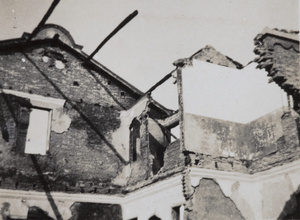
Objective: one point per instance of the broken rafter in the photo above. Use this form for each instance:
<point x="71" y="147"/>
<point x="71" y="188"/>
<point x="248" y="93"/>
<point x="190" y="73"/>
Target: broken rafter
<point x="43" y="21"/>
<point x="164" y="129"/>
<point x="161" y="81"/>
<point x="119" y="27"/>
<point x="171" y="121"/>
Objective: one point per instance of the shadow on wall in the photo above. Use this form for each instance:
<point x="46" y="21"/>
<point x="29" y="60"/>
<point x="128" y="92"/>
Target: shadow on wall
<point x="209" y="202"/>
<point x="157" y="151"/>
<point x="46" y="188"/>
<point x="291" y="209"/>
<point x="5" y="210"/>
<point x="154" y="218"/>
<point x="93" y="211"/>
<point x="80" y="112"/>
<point x="34" y="213"/>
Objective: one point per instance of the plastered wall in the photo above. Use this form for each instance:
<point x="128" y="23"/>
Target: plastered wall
<point x="264" y="195"/>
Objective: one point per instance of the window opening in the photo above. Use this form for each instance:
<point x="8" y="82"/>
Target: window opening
<point x="177" y="212"/>
<point x="135" y="139"/>
<point x="154" y="218"/>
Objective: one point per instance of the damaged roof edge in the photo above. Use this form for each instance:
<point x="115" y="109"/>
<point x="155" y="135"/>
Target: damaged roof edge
<point x="292" y="35"/>
<point x="137" y="91"/>
<point x="211" y="55"/>
<point x="20" y="43"/>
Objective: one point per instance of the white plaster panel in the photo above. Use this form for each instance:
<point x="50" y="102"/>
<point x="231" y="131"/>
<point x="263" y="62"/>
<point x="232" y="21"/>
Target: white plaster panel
<point x="275" y="194"/>
<point x="37" y="139"/>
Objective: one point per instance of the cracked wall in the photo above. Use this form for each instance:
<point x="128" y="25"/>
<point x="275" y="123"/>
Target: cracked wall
<point x="151" y="158"/>
<point x="268" y="194"/>
<point x="68" y="209"/>
<point x="209" y="202"/>
<point x="275" y="132"/>
<point x="278" y="52"/>
<point x="81" y="156"/>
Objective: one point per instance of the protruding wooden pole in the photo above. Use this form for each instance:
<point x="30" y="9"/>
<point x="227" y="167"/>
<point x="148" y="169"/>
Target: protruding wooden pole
<point x="119" y="27"/>
<point x="45" y="18"/>
<point x="161" y="81"/>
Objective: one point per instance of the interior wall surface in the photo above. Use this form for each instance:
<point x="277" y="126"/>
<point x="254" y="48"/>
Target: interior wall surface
<point x="157" y="199"/>
<point x="16" y="203"/>
<point x="265" y="195"/>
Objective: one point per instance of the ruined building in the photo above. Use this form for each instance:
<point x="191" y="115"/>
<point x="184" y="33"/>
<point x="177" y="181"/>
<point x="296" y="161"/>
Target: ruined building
<point x="79" y="142"/>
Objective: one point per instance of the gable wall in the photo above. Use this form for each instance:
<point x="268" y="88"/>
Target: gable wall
<point x="81" y="158"/>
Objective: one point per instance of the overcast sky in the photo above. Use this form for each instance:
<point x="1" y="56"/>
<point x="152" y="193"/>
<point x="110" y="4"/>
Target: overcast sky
<point x="144" y="50"/>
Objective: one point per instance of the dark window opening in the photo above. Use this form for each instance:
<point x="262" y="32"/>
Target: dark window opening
<point x="35" y="212"/>
<point x="93" y="211"/>
<point x="176" y="213"/>
<point x="75" y="83"/>
<point x="157" y="150"/>
<point x="122" y="94"/>
<point x="22" y="127"/>
<point x="134" y="139"/>
<point x="154" y="218"/>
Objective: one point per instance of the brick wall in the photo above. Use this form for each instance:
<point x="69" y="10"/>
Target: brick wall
<point x="269" y="141"/>
<point x="82" y="159"/>
<point x="173" y="157"/>
<point x="280" y="58"/>
<point x="141" y="168"/>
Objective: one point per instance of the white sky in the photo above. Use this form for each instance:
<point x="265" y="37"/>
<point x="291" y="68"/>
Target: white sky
<point x="163" y="31"/>
<point x="229" y="94"/>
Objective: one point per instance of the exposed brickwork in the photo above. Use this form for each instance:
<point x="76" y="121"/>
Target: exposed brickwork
<point x="269" y="141"/>
<point x="173" y="156"/>
<point x="211" y="55"/>
<point x="141" y="168"/>
<point x="279" y="56"/>
<point x="158" y="177"/>
<point x="220" y="163"/>
<point x="156" y="156"/>
<point x="82" y="159"/>
<point x="33" y="75"/>
<point x="209" y="202"/>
